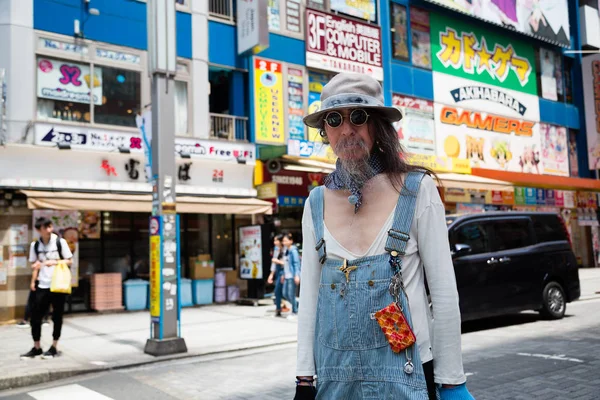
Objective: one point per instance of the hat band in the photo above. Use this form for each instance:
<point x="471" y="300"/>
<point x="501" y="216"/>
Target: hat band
<point x="350" y="99"/>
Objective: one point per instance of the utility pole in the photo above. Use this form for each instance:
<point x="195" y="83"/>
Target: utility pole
<point x="164" y="224"/>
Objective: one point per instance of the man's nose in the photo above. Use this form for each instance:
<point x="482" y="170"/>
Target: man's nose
<point x="348" y="129"/>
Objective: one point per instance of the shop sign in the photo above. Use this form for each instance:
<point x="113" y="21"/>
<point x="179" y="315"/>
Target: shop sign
<point x="51" y="44"/>
<point x="501" y="197"/>
<point x="252" y="26"/>
<point x="118" y="56"/>
<point x="68" y="81"/>
<point x="267" y="191"/>
<point x="155" y="276"/>
<point x="559" y="198"/>
<point x="268" y="102"/>
<point x="467" y="93"/>
<point x="339" y="44"/>
<point x="587" y="200"/>
<point x="546" y="20"/>
<point x="555" y="153"/>
<point x="108" y="140"/>
<point x="440" y="164"/>
<point x="487" y="140"/>
<point x="292" y="15"/>
<point x="456" y="195"/>
<point x="251" y="263"/>
<point x="291" y="201"/>
<point x="295" y="82"/>
<point x="550" y="197"/>
<point x="364" y="9"/>
<point x="416" y="130"/>
<point x="294" y="183"/>
<point x="318" y="151"/>
<point x="497" y="197"/>
<point x="591" y="96"/>
<point x="316" y="81"/>
<point x="461" y="50"/>
<point x="519" y="196"/>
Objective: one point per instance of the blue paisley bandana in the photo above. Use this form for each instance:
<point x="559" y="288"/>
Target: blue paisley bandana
<point x="341" y="180"/>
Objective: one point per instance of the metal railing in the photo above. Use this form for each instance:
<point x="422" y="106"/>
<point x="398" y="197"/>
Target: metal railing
<point x="228" y="127"/>
<point x="221" y="9"/>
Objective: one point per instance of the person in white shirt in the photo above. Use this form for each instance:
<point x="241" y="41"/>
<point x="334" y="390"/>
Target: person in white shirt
<point x="370" y="234"/>
<point x="44" y="254"/>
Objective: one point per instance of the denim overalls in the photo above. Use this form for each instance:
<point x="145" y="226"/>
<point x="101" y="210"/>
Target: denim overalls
<point x="352" y="355"/>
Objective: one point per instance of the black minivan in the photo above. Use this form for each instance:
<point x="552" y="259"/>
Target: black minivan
<point x="508" y="262"/>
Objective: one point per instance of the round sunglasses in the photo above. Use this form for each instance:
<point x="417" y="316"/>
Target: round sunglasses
<point x="358" y="117"/>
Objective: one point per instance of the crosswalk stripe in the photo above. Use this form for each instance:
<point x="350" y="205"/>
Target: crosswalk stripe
<point x="68" y="392"/>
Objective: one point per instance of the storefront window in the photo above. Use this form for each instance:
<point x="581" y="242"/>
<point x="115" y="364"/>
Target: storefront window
<point x="550" y="75"/>
<point x="399" y="32"/>
<point x="420" y="38"/>
<point x="121" y="97"/>
<point x="181" y="108"/>
<point x="117" y="234"/>
<point x="220" y="81"/>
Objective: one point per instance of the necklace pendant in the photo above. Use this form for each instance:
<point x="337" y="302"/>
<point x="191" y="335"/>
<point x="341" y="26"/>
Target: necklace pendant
<point x="409" y="368"/>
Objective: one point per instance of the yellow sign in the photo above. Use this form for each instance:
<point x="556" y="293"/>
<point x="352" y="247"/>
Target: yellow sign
<point x="440" y="164"/>
<point x="155" y="276"/>
<point x="456" y="195"/>
<point x="268" y="102"/>
<point x="267" y="190"/>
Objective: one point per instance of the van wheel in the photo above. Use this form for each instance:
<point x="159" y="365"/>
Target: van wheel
<point x="554" y="303"/>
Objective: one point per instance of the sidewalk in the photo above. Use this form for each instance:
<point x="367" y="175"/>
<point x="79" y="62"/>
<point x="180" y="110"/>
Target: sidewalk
<point x="95" y="342"/>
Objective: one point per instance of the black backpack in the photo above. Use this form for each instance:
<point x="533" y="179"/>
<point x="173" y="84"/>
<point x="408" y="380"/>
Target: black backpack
<point x="36" y="248"/>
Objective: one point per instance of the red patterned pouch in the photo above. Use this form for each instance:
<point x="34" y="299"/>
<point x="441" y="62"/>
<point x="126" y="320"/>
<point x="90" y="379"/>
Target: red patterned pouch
<point x="395" y="327"/>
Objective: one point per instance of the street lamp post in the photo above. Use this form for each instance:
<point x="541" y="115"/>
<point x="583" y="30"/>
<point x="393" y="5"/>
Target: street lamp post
<point x="164" y="224"/>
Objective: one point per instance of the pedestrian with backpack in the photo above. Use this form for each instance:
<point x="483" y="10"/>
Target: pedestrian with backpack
<point x="45" y="254"/>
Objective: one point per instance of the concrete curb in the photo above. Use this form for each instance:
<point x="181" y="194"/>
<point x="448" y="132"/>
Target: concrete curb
<point x="17" y="382"/>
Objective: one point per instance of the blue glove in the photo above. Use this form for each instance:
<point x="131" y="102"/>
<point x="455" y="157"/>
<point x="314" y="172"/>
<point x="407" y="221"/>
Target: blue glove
<point x="459" y="392"/>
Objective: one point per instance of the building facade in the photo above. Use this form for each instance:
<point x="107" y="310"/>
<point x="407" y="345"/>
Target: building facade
<point x="492" y="96"/>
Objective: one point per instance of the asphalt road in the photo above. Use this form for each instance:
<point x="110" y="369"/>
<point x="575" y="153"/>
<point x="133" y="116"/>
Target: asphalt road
<point x="514" y="357"/>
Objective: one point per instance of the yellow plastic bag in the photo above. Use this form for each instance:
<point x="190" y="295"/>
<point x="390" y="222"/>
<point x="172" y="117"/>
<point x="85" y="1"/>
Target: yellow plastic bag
<point x="61" y="279"/>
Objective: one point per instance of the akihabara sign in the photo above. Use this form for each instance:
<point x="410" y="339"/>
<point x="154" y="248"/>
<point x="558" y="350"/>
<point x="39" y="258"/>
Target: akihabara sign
<point x="338" y="44"/>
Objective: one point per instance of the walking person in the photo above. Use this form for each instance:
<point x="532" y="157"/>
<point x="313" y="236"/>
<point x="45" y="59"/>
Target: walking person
<point x="277" y="275"/>
<point x="44" y="254"/>
<point x="370" y="235"/>
<point x="291" y="272"/>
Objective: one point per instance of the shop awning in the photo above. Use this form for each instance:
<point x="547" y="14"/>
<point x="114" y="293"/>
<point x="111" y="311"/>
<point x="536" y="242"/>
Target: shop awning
<point x="541" y="181"/>
<point x="471" y="182"/>
<point x="142" y="203"/>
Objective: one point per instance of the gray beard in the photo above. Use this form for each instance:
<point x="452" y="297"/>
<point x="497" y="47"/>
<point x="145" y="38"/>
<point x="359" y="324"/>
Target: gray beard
<point x="358" y="169"/>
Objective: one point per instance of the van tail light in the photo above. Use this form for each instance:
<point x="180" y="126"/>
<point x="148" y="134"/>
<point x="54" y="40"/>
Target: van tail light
<point x="566" y="230"/>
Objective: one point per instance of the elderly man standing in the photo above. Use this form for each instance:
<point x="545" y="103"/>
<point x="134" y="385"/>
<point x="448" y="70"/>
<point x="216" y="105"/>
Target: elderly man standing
<point x="370" y="235"/>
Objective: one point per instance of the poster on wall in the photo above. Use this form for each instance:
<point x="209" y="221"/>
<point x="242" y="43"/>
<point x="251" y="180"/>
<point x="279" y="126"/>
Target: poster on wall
<point x="555" y="155"/>
<point x="66" y="226"/>
<point x="399" y="34"/>
<point x="274" y="15"/>
<point x="591" y="98"/>
<point x="89" y="227"/>
<point x="469" y="52"/>
<point x="68" y="81"/>
<point x="295" y="87"/>
<point x="338" y="44"/>
<point x="19" y="245"/>
<point x="421" y="39"/>
<point x="489" y="141"/>
<point x="573" y="159"/>
<point x="251" y="265"/>
<point x="416" y="130"/>
<point x="316" y="81"/>
<point x="364" y="9"/>
<point x="268" y="102"/>
<point x="547" y="20"/>
<point x="549" y="74"/>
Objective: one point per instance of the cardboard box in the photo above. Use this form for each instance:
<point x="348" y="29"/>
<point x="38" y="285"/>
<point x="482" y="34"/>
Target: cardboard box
<point x="203" y="257"/>
<point x="202" y="270"/>
<point x="231" y="277"/>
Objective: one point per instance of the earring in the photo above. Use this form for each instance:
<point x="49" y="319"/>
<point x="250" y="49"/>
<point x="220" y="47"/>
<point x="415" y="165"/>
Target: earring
<point x="378" y="144"/>
<point x="322" y="133"/>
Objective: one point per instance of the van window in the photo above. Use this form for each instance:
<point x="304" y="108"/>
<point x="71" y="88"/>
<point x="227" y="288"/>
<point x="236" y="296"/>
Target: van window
<point x="475" y="235"/>
<point x="511" y="234"/>
<point x="548" y="228"/>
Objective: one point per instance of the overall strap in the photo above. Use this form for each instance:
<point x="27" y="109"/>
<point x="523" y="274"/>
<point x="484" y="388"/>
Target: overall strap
<point x="399" y="234"/>
<point x="317" y="200"/>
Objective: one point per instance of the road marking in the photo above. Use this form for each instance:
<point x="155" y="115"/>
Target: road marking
<point x="560" y="357"/>
<point x="469" y="374"/>
<point x="68" y="392"/>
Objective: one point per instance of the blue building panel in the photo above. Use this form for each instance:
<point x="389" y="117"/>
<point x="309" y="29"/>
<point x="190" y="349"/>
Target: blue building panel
<point x="412" y="81"/>
<point x="121" y="22"/>
<point x="557" y="113"/>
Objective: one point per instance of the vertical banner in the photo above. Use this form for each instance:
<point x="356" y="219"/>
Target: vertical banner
<point x="416" y="130"/>
<point x="555" y="155"/>
<point x="66" y="226"/>
<point x="591" y="98"/>
<point x="251" y="264"/>
<point x="295" y="88"/>
<point x="268" y="102"/>
<point x="252" y="26"/>
<point x="155" y="268"/>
